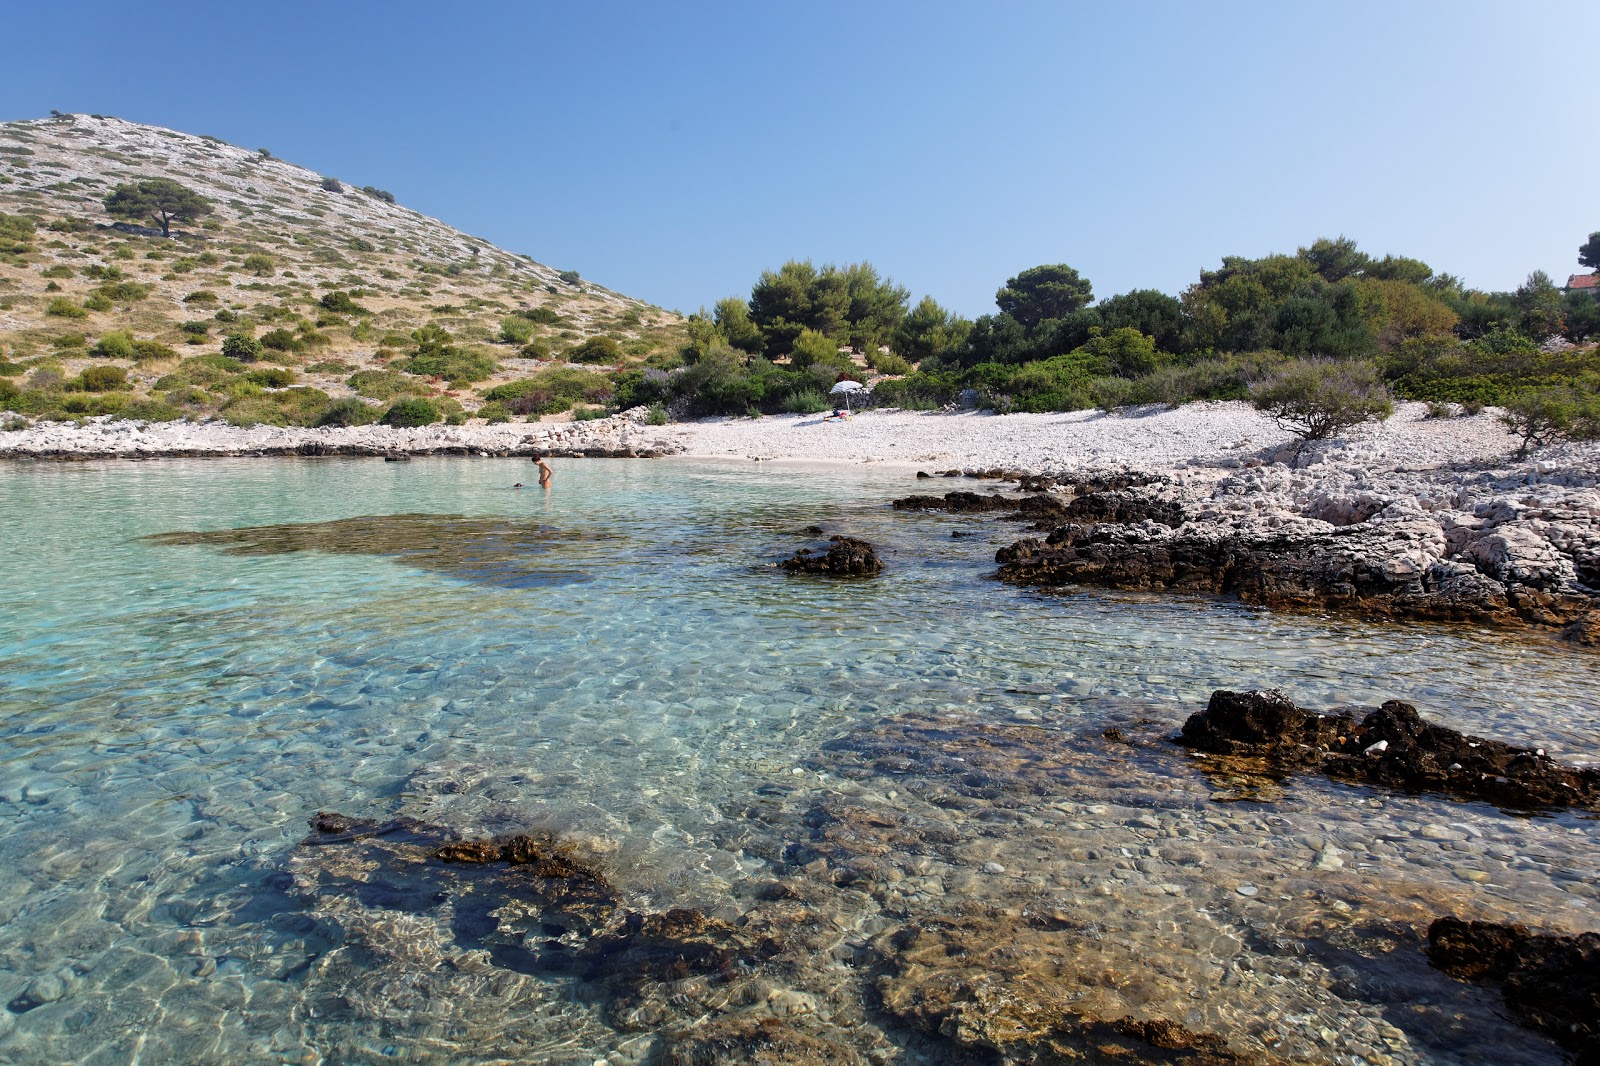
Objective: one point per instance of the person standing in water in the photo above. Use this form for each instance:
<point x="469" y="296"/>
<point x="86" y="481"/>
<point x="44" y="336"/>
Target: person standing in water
<point x="546" y="475"/>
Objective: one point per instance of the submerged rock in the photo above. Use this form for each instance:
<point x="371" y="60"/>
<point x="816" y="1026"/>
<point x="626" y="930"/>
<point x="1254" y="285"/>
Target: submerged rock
<point x="1392" y="746"/>
<point x="1550" y="983"/>
<point x="845" y="557"/>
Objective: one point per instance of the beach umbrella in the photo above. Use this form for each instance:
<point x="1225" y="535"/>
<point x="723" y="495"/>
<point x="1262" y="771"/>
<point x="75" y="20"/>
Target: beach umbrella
<point x="845" y="388"/>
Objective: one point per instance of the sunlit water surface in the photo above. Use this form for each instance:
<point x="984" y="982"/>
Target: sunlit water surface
<point x="172" y="714"/>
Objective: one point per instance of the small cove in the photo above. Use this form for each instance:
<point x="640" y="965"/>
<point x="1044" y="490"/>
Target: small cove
<point x="172" y="714"/>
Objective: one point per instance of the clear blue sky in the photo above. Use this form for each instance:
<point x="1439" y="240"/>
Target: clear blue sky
<point x="673" y="151"/>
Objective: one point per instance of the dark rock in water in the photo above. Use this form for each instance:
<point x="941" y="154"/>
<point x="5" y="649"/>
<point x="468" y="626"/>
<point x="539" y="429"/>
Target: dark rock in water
<point x="1550" y="983"/>
<point x="922" y="474"/>
<point x="1038" y="508"/>
<point x="845" y="557"/>
<point x="1123" y="508"/>
<point x="1392" y="746"/>
<point x="1585" y="631"/>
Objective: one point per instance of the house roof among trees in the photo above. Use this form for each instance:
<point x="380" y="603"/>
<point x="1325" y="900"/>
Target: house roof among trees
<point x="1584" y="281"/>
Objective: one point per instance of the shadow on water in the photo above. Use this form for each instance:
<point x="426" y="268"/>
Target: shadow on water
<point x="499" y="552"/>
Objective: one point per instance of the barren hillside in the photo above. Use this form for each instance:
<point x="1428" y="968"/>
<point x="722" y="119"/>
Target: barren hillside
<point x="330" y="280"/>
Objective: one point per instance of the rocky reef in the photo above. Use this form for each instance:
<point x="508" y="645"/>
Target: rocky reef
<point x="845" y="557"/>
<point x="1392" y="746"/>
<point x="1436" y="546"/>
<point x="1550" y="983"/>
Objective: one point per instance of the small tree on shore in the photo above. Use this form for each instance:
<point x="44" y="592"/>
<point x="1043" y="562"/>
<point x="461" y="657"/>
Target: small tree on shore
<point x="1540" y="417"/>
<point x="1319" y="399"/>
<point x="159" y="200"/>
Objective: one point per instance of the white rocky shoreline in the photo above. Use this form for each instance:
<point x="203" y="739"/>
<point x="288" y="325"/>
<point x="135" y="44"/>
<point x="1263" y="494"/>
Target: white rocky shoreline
<point x="1450" y="519"/>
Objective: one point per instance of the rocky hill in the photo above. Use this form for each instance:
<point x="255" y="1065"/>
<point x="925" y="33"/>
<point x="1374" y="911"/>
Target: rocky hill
<point x="321" y="285"/>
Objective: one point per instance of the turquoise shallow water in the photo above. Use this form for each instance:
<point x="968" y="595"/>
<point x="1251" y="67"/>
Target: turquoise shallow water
<point x="171" y="714"/>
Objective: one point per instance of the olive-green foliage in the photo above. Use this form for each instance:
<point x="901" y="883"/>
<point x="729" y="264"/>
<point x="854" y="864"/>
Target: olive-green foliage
<point x="596" y="350"/>
<point x="151" y="410"/>
<point x="103" y="378"/>
<point x="657" y="416"/>
<point x="159" y="200"/>
<point x="494" y="412"/>
<point x="259" y="264"/>
<point x="1485" y="371"/>
<point x="436" y="356"/>
<point x="149" y="351"/>
<point x="516" y="330"/>
<point x="414" y="411"/>
<point x="811" y="347"/>
<point x="201" y="371"/>
<point x="380" y="384"/>
<point x="241" y="346"/>
<point x="1543" y="415"/>
<point x="298" y="406"/>
<point x="919" y="391"/>
<point x="888" y="363"/>
<point x="61" y="307"/>
<point x="60" y="270"/>
<point x="806" y="402"/>
<point x="348" y="412"/>
<point x="542" y="316"/>
<point x="114" y="344"/>
<point x="271" y="377"/>
<point x="552" y="390"/>
<point x="852" y="303"/>
<point x="1318" y="398"/>
<point x="16" y="236"/>
<point x="538" y="348"/>
<point x="341" y="303"/>
<point x="201" y="297"/>
<point x="333" y="366"/>
<point x="588" y="414"/>
<point x="280" y="340"/>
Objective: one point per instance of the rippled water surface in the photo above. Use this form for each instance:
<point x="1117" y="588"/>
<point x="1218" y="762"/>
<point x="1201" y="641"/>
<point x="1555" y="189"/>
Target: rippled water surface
<point x="615" y="660"/>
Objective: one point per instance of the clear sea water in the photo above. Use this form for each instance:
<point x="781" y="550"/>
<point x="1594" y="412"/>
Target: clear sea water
<point x="171" y="714"/>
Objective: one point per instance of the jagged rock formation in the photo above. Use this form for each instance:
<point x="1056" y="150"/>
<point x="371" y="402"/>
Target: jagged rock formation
<point x="1550" y="983"/>
<point x="845" y="557"/>
<point x="1392" y="746"/>
<point x="1491" y="558"/>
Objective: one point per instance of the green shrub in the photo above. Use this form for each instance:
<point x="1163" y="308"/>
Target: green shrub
<point x="124" y="292"/>
<point x="571" y="277"/>
<point x="148" y="351"/>
<point x="596" y="350"/>
<point x="414" y="411"/>
<point x="348" y="411"/>
<point x="380" y="384"/>
<point x="202" y="297"/>
<point x="151" y="410"/>
<point x="280" y="340"/>
<point x="97" y="301"/>
<point x="341" y="303"/>
<point x="332" y="185"/>
<point x="60" y="270"/>
<point x="1318" y="399"/>
<point x="657" y="415"/>
<point x="330" y="367"/>
<point x="103" y="378"/>
<point x="553" y="390"/>
<point x="588" y="414"/>
<point x="200" y="330"/>
<point x="538" y="348"/>
<point x="920" y="391"/>
<point x="16" y="235"/>
<point x="260" y="265"/>
<point x="515" y="330"/>
<point x="241" y="346"/>
<point x="271" y="377"/>
<point x="542" y="316"/>
<point x="61" y="307"/>
<point x="1541" y="416"/>
<point x="806" y="402"/>
<point x="437" y="357"/>
<point x="494" y="412"/>
<point x="69" y="342"/>
<point x="888" y="363"/>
